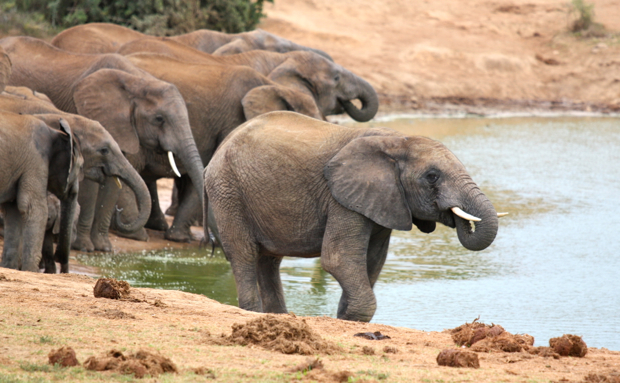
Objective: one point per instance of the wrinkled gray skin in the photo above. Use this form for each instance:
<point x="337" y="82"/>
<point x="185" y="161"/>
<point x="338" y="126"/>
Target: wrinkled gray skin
<point x="332" y="86"/>
<point x="107" y="38"/>
<point x="218" y="100"/>
<point x="102" y="155"/>
<point x="144" y="115"/>
<point x="52" y="229"/>
<point x="340" y="193"/>
<point x="36" y="159"/>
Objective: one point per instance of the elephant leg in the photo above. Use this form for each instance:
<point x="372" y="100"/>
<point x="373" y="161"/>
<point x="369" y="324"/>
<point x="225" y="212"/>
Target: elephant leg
<point x="12" y="236"/>
<point x="270" y="284"/>
<point x="157" y="219"/>
<point x="34" y="218"/>
<point x="174" y="200"/>
<point x="47" y="254"/>
<point x="375" y="259"/>
<point x="344" y="255"/>
<point x="106" y="204"/>
<point x="128" y="207"/>
<point x="87" y="199"/>
<point x="189" y="206"/>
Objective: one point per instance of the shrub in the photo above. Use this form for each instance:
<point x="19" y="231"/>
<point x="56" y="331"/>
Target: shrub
<point x="157" y="17"/>
<point x="585" y="15"/>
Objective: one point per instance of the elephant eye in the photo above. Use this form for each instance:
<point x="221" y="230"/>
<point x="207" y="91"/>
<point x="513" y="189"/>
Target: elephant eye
<point x="337" y="78"/>
<point x="159" y="119"/>
<point x="432" y="177"/>
<point x="104" y="151"/>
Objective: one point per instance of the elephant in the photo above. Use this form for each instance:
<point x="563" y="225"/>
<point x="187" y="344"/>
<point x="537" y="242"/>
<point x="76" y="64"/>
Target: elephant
<point x="107" y="38"/>
<point x="103" y="158"/>
<point x="218" y="100"/>
<point x="5" y="69"/>
<point x="332" y="86"/>
<point x="36" y="159"/>
<point x="283" y="184"/>
<point x="146" y="116"/>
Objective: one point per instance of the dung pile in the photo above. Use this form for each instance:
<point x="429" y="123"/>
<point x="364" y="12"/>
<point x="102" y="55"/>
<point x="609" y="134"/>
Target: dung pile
<point x="287" y="335"/>
<point x="613" y="377"/>
<point x="140" y="364"/>
<point x="458" y="358"/>
<point x="64" y="356"/>
<point x="569" y="345"/>
<point x="111" y="288"/>
<point x="314" y="370"/>
<point x="484" y="338"/>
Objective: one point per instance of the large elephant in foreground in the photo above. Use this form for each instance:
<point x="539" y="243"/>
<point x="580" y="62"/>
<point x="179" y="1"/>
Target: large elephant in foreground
<point x="287" y="185"/>
<point x="146" y="116"/>
<point x="107" y="38"/>
<point x="218" y="99"/>
<point x="36" y="159"/>
<point x="102" y="156"/>
<point x="332" y="86"/>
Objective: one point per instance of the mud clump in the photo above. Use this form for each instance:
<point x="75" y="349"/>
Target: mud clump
<point x="569" y="345"/>
<point x="458" y="358"/>
<point x="111" y="288"/>
<point x="64" y="356"/>
<point x="140" y="364"/>
<point x="285" y="335"/>
<point x="485" y="338"/>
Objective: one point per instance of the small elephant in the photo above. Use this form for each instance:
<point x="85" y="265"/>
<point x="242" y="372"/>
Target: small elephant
<point x="36" y="159"/>
<point x="107" y="38"/>
<point x="283" y="184"/>
<point x="52" y="229"/>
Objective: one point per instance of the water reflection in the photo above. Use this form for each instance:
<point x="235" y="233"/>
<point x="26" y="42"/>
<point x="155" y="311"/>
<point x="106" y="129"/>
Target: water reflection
<point x="552" y="269"/>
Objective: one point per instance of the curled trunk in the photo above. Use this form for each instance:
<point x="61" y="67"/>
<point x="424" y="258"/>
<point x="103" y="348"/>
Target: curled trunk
<point x="370" y="102"/>
<point x="143" y="200"/>
<point x="477" y="235"/>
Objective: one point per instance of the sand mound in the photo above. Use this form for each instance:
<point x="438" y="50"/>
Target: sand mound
<point x="287" y="335"/>
<point x="140" y="364"/>
<point x="485" y="338"/>
<point x="111" y="288"/>
<point x="458" y="358"/>
<point x="64" y="356"/>
<point x="569" y="345"/>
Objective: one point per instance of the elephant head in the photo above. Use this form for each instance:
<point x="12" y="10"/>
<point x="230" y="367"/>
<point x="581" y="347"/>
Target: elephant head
<point x="5" y="69"/>
<point x="268" y="98"/>
<point x="332" y="86"/>
<point x="397" y="181"/>
<point x="141" y="112"/>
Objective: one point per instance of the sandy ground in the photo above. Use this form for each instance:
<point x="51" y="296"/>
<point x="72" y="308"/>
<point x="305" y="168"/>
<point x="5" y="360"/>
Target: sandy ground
<point x="428" y="56"/>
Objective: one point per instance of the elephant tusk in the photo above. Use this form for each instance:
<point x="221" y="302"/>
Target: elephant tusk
<point x="464" y="215"/>
<point x="174" y="165"/>
<point x="500" y="215"/>
<point x="118" y="182"/>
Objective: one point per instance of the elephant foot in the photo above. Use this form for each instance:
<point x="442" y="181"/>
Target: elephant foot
<point x="83" y="244"/>
<point x="101" y="241"/>
<point x="158" y="223"/>
<point x="177" y="235"/>
<point x="139" y="235"/>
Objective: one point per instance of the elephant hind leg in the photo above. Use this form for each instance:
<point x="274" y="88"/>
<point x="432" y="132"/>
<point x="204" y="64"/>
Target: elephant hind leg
<point x="12" y="236"/>
<point x="157" y="219"/>
<point x="190" y="207"/>
<point x="270" y="284"/>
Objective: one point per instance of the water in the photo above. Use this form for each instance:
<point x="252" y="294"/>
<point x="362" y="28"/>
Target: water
<point x="552" y="270"/>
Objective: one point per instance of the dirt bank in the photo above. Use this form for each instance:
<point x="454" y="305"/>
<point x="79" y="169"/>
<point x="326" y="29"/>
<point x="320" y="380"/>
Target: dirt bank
<point x="452" y="55"/>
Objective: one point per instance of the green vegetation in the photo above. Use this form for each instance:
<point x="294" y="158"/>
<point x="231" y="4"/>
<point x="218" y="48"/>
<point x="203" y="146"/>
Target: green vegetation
<point x="582" y="16"/>
<point x="156" y="17"/>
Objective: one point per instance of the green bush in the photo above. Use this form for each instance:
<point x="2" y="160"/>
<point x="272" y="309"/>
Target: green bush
<point x="156" y="17"/>
<point x="585" y="15"/>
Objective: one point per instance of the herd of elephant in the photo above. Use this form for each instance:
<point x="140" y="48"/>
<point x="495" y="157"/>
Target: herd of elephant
<point x="98" y="115"/>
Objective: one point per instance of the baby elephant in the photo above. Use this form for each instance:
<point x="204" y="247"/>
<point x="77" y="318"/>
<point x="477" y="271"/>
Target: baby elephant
<point x="284" y="184"/>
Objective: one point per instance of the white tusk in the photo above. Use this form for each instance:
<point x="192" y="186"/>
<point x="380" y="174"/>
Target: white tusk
<point x="174" y="166"/>
<point x="500" y="215"/>
<point x="464" y="215"/>
<point x="118" y="182"/>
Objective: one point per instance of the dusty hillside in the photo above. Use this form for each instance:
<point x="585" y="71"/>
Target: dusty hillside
<point x="506" y="54"/>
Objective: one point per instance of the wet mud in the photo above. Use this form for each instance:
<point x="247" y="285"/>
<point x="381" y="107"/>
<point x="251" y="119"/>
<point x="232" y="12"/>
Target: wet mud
<point x="458" y="358"/>
<point x="139" y="364"/>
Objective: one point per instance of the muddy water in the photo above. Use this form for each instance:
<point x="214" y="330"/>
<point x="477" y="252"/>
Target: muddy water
<point x="553" y="269"/>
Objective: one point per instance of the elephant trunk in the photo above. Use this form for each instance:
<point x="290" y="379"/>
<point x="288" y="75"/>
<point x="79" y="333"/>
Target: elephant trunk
<point x="479" y="235"/>
<point x="192" y="162"/>
<point x="370" y="102"/>
<point x="143" y="200"/>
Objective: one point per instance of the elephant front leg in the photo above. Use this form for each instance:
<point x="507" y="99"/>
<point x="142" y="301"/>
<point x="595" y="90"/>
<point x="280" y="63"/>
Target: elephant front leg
<point x="106" y="203"/>
<point x="47" y="253"/>
<point x="157" y="219"/>
<point x="270" y="284"/>
<point x="344" y="255"/>
<point x="87" y="198"/>
<point x="33" y="217"/>
<point x="189" y="207"/>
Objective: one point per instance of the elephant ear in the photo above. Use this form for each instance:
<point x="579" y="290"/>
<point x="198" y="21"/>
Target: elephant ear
<point x="269" y="98"/>
<point x="364" y="176"/>
<point x="106" y="96"/>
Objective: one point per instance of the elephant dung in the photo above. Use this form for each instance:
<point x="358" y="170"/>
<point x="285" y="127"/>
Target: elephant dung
<point x="64" y="356"/>
<point x="470" y="333"/>
<point x="569" y="345"/>
<point x="278" y="333"/>
<point x="140" y="364"/>
<point x="458" y="358"/>
<point x="111" y="288"/>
